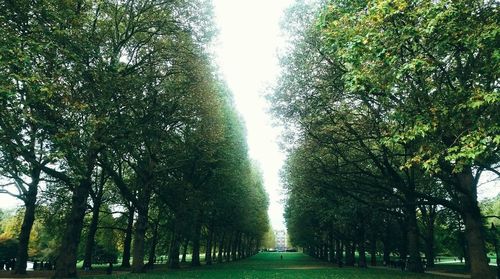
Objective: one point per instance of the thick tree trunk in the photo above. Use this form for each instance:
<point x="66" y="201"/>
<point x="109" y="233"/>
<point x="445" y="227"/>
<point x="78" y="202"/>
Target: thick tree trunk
<point x="154" y="242"/>
<point x="89" y="244"/>
<point x="414" y="261"/>
<point x="173" y="254"/>
<point x="67" y="256"/>
<point x="128" y="238"/>
<point x="473" y="227"/>
<point x="184" y="250"/>
<point x="195" y="259"/>
<point x="140" y="235"/>
<point x="350" y="251"/>
<point x="28" y="220"/>
<point x="429" y="249"/>
<point x="429" y="215"/>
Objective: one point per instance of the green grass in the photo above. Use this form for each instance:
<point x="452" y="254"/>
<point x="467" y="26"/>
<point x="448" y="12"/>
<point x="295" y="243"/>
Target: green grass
<point x="269" y="265"/>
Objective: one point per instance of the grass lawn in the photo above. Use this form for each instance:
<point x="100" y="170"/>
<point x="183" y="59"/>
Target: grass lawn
<point x="269" y="265"/>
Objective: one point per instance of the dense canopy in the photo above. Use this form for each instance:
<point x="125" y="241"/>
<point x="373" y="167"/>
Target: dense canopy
<point x="120" y="138"/>
<point x="393" y="114"/>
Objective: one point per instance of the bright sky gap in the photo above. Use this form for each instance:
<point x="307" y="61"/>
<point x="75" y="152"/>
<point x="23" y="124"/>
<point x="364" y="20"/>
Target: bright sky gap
<point x="248" y="41"/>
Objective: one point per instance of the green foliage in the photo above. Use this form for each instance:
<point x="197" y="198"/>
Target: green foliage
<point x="8" y="248"/>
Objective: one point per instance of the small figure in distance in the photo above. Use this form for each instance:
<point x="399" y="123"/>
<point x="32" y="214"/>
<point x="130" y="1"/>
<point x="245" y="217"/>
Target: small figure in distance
<point x="281" y="256"/>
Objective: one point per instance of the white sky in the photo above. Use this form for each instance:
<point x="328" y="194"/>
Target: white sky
<point x="248" y="41"/>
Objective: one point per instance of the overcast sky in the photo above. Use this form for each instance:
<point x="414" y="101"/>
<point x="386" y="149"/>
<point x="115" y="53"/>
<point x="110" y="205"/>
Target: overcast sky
<point x="248" y="42"/>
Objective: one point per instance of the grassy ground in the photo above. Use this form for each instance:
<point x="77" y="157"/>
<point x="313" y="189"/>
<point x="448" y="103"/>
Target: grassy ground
<point x="269" y="265"/>
<point x="263" y="265"/>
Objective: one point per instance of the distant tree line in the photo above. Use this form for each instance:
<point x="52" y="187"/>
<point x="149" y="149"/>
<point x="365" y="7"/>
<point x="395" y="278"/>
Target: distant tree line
<point x="392" y="112"/>
<point x="119" y="137"/>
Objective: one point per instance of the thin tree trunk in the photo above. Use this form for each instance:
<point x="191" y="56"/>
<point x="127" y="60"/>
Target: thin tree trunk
<point x="208" y="250"/>
<point x="373" y="251"/>
<point x="340" y="252"/>
<point x="128" y="238"/>
<point x="350" y="248"/>
<point x="362" y="253"/>
<point x="221" y="247"/>
<point x="89" y="244"/>
<point x="184" y="250"/>
<point x="234" y="246"/>
<point x="28" y="220"/>
<point x="154" y="242"/>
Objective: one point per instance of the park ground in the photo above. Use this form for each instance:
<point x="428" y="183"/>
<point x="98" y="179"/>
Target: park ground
<point x="267" y="265"/>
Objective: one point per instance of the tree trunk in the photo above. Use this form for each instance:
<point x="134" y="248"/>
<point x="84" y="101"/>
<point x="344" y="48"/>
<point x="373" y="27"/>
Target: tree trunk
<point x="387" y="252"/>
<point x="173" y="255"/>
<point x="473" y="227"/>
<point x="140" y="235"/>
<point x="350" y="248"/>
<point x="214" y="253"/>
<point x="331" y="248"/>
<point x="89" y="244"/>
<point x="414" y="261"/>
<point x="208" y="250"/>
<point x="154" y="242"/>
<point x="362" y="254"/>
<point x="67" y="256"/>
<point x="221" y="248"/>
<point x="361" y="245"/>
<point x="128" y="238"/>
<point x="234" y="246"/>
<point x="340" y="252"/>
<point x="195" y="260"/>
<point x="184" y="250"/>
<point x="28" y="220"/>
<point x="373" y="251"/>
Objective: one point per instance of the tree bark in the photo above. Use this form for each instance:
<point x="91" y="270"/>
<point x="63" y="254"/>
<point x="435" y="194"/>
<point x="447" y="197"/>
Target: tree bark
<point x="173" y="255"/>
<point x="195" y="259"/>
<point x="184" y="250"/>
<point x="154" y="242"/>
<point x="89" y="244"/>
<point x="340" y="252"/>
<point x="221" y="248"/>
<point x="128" y="238"/>
<point x="414" y="261"/>
<point x="373" y="251"/>
<point x="28" y="220"/>
<point x="139" y="237"/>
<point x="208" y="250"/>
<point x="473" y="226"/>
<point x="67" y="256"/>
<point x="350" y="248"/>
<point x="362" y="254"/>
